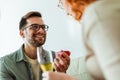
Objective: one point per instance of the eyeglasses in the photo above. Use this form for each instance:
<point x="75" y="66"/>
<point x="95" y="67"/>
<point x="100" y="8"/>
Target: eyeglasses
<point x="36" y="27"/>
<point x="60" y="4"/>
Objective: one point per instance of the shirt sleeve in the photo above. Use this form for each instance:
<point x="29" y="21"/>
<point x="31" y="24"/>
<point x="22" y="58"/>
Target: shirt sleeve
<point x="4" y="74"/>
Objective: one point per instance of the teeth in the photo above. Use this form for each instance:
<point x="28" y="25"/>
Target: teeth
<point x="38" y="36"/>
<point x="42" y="37"/>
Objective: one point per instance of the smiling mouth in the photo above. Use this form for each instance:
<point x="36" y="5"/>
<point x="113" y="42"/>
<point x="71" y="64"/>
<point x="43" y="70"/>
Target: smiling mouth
<point x="40" y="37"/>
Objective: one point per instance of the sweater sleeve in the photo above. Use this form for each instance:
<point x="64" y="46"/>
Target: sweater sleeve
<point x="102" y="32"/>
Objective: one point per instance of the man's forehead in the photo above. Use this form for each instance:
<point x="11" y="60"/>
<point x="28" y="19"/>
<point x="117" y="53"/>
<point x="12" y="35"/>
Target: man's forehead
<point x="35" y="20"/>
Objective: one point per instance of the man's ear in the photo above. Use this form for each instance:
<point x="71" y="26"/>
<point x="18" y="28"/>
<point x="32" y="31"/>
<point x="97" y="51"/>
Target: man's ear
<point x="22" y="33"/>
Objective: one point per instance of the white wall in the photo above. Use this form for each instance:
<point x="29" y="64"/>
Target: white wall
<point x="64" y="33"/>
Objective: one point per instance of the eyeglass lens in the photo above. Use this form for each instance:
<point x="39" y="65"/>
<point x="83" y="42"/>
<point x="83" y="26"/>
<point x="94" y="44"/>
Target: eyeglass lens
<point x="37" y="27"/>
<point x="60" y="4"/>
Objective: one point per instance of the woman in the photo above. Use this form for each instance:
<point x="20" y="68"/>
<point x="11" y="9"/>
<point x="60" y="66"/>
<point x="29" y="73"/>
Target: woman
<point x="101" y="30"/>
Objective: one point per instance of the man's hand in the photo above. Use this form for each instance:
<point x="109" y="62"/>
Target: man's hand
<point x="61" y="62"/>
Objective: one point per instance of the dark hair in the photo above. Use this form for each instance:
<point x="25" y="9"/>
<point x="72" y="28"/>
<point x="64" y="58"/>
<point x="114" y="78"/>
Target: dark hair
<point x="23" y="20"/>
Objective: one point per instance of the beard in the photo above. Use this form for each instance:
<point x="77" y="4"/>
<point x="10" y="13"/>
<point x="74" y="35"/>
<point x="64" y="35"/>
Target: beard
<point x="36" y="39"/>
<point x="36" y="42"/>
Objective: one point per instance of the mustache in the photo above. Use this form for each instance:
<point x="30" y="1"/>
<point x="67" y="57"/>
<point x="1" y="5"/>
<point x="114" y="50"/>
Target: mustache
<point x="40" y="34"/>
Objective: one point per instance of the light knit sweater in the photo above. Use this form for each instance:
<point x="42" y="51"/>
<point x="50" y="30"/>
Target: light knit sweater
<point x="101" y="34"/>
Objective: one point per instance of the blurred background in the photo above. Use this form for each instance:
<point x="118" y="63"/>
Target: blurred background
<point x="64" y="32"/>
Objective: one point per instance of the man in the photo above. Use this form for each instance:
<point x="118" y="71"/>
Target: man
<point x="22" y="64"/>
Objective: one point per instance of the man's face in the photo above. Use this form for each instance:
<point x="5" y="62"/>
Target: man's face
<point x="34" y="37"/>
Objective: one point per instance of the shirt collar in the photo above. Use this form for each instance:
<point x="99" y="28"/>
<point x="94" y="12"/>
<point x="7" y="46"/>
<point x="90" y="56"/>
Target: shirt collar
<point x="20" y="54"/>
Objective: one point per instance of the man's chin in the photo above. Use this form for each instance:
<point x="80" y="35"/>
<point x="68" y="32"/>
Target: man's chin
<point x="38" y="44"/>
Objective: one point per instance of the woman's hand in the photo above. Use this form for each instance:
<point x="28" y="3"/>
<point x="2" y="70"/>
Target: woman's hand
<point x="56" y="76"/>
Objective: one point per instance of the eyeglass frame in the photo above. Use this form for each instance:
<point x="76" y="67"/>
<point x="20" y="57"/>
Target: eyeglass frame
<point x="60" y="4"/>
<point x="46" y="27"/>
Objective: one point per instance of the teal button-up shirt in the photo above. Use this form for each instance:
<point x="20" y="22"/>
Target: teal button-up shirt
<point x="16" y="67"/>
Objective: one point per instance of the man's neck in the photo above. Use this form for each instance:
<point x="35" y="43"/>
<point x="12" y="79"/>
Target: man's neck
<point x="30" y="51"/>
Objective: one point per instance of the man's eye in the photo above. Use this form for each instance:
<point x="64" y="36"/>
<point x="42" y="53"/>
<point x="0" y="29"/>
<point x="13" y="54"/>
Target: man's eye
<point x="43" y="26"/>
<point x="35" y="27"/>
